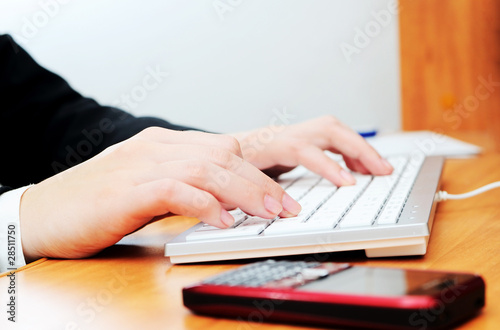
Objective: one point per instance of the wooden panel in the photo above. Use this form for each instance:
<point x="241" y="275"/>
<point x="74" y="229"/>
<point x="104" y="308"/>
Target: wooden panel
<point x="450" y="49"/>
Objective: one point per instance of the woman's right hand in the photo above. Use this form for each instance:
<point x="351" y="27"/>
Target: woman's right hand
<point x="158" y="172"/>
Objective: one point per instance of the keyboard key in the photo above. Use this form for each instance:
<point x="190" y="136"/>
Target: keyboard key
<point x="237" y="214"/>
<point x="372" y="200"/>
<point x="390" y="213"/>
<point x="334" y="204"/>
<point x="310" y="203"/>
<point x="300" y="188"/>
<point x="324" y="205"/>
<point x="250" y="227"/>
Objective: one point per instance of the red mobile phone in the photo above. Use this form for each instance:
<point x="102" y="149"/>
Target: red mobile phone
<point x="339" y="295"/>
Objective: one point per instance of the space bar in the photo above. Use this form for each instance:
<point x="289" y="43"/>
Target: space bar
<point x="251" y="227"/>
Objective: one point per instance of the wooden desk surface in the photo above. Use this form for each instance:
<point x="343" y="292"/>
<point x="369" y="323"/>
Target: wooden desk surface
<point x="133" y="286"/>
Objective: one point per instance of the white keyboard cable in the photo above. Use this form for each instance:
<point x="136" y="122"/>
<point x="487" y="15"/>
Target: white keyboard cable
<point x="443" y="195"/>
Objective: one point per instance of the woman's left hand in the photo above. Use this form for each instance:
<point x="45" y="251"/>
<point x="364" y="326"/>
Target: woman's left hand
<point x="278" y="149"/>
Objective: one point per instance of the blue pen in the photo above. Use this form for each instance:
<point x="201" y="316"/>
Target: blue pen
<point x="367" y="134"/>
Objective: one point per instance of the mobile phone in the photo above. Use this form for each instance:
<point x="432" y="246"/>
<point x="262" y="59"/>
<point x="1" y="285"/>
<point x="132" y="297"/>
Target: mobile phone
<point x="339" y="295"/>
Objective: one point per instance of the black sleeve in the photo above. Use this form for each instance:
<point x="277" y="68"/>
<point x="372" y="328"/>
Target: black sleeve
<point x="4" y="189"/>
<point x="46" y="126"/>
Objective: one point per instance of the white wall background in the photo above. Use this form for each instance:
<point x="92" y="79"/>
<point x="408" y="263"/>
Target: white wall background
<point x="229" y="62"/>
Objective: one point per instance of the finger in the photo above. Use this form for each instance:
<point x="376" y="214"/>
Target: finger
<point x="166" y="136"/>
<point x="347" y="142"/>
<point x="164" y="196"/>
<point x="222" y="158"/>
<point x="355" y="165"/>
<point x="219" y="156"/>
<point x="317" y="161"/>
<point x="229" y="206"/>
<point x="263" y="197"/>
<point x="145" y="151"/>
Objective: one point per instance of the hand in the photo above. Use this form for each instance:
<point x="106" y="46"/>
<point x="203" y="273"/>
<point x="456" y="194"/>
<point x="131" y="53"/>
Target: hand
<point x="158" y="172"/>
<point x="277" y="149"/>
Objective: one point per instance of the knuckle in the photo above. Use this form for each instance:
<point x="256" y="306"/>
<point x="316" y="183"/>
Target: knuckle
<point x="236" y="164"/>
<point x="354" y="153"/>
<point x="150" y="131"/>
<point x="273" y="189"/>
<point x="231" y="144"/>
<point x="201" y="203"/>
<point x="197" y="169"/>
<point x="205" y="207"/>
<point x="220" y="155"/>
<point x="165" y="193"/>
<point x="168" y="189"/>
<point x="250" y="191"/>
<point x="299" y="147"/>
<point x="331" y="127"/>
<point x="329" y="120"/>
<point x="128" y="147"/>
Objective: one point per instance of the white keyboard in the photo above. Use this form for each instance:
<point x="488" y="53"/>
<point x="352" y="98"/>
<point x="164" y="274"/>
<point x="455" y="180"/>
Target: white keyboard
<point x="373" y="203"/>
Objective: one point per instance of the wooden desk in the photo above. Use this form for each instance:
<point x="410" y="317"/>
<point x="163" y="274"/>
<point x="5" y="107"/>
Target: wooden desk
<point x="134" y="287"/>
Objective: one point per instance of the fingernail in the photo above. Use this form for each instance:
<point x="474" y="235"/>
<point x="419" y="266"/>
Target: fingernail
<point x="386" y="164"/>
<point x="226" y="218"/>
<point x="290" y="205"/>
<point x="348" y="178"/>
<point x="272" y="205"/>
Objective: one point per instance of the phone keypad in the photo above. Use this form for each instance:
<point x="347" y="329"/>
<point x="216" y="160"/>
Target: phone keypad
<point x="272" y="273"/>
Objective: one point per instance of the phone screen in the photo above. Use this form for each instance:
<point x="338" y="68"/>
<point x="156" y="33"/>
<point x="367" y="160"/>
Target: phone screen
<point x="378" y="281"/>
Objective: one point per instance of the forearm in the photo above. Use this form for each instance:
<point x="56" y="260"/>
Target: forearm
<point x="46" y="126"/>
